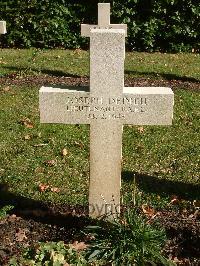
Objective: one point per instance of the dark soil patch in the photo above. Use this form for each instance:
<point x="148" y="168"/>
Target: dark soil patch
<point x="26" y="227"/>
<point x="42" y="80"/>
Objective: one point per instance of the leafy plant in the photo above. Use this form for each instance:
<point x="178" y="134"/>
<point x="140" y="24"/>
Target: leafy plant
<point x="164" y="25"/>
<point x="129" y="240"/>
<point x="53" y="254"/>
<point x="4" y="211"/>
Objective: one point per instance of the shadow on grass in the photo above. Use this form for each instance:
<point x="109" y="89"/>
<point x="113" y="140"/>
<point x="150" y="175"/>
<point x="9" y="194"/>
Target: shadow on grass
<point x="46" y="213"/>
<point x="59" y="73"/>
<point x="52" y="213"/>
<point x="152" y="184"/>
<point x="56" y="73"/>
<point x="167" y="76"/>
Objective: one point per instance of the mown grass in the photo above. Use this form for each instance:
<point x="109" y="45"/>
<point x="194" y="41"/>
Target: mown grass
<point x="76" y="62"/>
<point x="164" y="160"/>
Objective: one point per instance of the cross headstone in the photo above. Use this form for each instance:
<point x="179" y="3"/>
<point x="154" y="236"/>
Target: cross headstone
<point x="107" y="105"/>
<point x="2" y="27"/>
<point x="103" y="21"/>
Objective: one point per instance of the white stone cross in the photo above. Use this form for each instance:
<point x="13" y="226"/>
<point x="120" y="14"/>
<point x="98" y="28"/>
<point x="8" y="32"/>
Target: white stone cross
<point x="107" y="105"/>
<point x="103" y="21"/>
<point x="2" y="27"/>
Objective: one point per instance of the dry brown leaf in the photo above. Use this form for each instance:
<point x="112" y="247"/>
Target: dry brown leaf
<point x="43" y="187"/>
<point x="39" y="170"/>
<point x="55" y="189"/>
<point x="64" y="152"/>
<point x="79" y="245"/>
<point x="27" y="137"/>
<point x="7" y="88"/>
<point x="140" y="129"/>
<point x="196" y="203"/>
<point x="26" y="122"/>
<point x="50" y="162"/>
<point x="21" y="235"/>
<point x="174" y="200"/>
<point x="77" y="51"/>
<point x="148" y="210"/>
<point x="13" y="217"/>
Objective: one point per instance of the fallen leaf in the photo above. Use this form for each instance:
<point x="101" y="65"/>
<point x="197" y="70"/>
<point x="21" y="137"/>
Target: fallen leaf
<point x="50" y="162"/>
<point x="77" y="51"/>
<point x="174" y="200"/>
<point x="43" y="187"/>
<point x="27" y="137"/>
<point x="55" y="189"/>
<point x="79" y="245"/>
<point x="7" y="88"/>
<point x="26" y="122"/>
<point x="13" y="217"/>
<point x="64" y="152"/>
<point x="196" y="203"/>
<point x="21" y="235"/>
<point x="2" y="62"/>
<point x="140" y="129"/>
<point x="39" y="170"/>
<point x="148" y="210"/>
<point x="197" y="214"/>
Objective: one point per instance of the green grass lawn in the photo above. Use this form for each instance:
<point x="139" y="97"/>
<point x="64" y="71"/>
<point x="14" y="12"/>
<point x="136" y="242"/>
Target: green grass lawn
<point x="76" y="62"/>
<point x="165" y="160"/>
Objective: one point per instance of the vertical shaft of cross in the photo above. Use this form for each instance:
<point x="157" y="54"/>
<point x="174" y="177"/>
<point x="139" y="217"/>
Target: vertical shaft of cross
<point x="103" y="14"/>
<point x="106" y="80"/>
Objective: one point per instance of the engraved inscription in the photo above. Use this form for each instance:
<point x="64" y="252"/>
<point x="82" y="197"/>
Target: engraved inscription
<point x="105" y="28"/>
<point x="106" y="108"/>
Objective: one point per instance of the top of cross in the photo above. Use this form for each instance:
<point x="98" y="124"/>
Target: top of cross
<point x="2" y="27"/>
<point x="103" y="21"/>
<point x="103" y="14"/>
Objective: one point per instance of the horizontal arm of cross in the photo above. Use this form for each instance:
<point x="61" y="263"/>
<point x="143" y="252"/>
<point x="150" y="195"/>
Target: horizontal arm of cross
<point x="86" y="28"/>
<point x="137" y="106"/>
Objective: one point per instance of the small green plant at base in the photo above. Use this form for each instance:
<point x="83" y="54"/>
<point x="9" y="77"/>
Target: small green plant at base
<point x="4" y="211"/>
<point x="130" y="240"/>
<point x="53" y="254"/>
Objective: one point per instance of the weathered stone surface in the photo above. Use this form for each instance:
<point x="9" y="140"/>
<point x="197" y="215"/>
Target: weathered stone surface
<point x="103" y="14"/>
<point x="2" y="27"/>
<point x="106" y="106"/>
<point x="106" y="80"/>
<point x="137" y="105"/>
